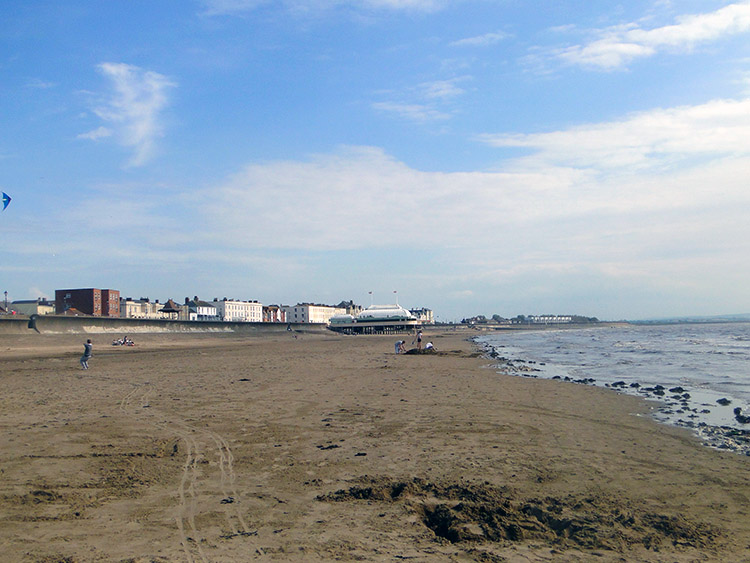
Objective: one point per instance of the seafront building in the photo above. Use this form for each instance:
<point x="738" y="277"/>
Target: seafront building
<point x="89" y="301"/>
<point x="273" y="314"/>
<point x="376" y="319"/>
<point x="550" y="319"/>
<point x="198" y="310"/>
<point x="108" y="303"/>
<point x="311" y="313"/>
<point x="423" y="315"/>
<point x="142" y="308"/>
<point x="239" y="311"/>
<point x="40" y="306"/>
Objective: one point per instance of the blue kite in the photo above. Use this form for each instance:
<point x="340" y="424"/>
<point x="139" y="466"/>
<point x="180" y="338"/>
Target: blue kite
<point x="6" y="200"/>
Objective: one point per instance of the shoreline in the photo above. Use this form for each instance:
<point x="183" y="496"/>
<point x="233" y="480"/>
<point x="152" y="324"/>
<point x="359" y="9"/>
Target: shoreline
<point x="675" y="403"/>
<point x="328" y="447"/>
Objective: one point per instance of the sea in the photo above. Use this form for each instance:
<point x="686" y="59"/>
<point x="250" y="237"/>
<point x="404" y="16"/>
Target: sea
<point x="697" y="375"/>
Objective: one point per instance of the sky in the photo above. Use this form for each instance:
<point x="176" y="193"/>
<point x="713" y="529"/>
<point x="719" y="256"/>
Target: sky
<point x="475" y="157"/>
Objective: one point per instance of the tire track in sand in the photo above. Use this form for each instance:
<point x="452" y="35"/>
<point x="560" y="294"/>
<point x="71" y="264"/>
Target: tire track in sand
<point x="191" y="539"/>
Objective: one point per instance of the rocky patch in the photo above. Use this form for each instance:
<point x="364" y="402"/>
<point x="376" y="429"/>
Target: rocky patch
<point x="477" y="513"/>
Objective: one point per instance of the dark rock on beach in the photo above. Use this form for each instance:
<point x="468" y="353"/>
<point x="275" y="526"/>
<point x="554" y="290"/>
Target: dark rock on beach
<point x="723" y="401"/>
<point x="739" y="417"/>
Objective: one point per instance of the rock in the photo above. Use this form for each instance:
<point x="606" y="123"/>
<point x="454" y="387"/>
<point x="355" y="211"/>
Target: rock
<point x="723" y="401"/>
<point x="676" y="390"/>
<point x="739" y="417"/>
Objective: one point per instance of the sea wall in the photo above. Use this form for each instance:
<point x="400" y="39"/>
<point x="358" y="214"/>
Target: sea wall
<point x="51" y="324"/>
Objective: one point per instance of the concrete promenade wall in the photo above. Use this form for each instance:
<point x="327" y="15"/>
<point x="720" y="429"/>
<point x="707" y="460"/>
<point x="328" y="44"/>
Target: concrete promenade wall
<point x="51" y="324"/>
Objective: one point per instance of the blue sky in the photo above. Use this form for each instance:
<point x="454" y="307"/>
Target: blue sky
<point x="477" y="156"/>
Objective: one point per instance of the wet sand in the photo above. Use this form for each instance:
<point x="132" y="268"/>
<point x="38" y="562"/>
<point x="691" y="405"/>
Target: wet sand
<point x="321" y="448"/>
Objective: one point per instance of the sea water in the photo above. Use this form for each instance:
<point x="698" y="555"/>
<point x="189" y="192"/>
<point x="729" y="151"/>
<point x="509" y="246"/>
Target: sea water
<point x="710" y="362"/>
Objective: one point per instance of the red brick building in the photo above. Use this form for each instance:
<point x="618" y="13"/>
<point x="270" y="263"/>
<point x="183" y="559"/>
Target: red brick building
<point x="91" y="301"/>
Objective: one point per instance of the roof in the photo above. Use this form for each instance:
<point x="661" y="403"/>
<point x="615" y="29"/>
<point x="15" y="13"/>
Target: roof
<point x="384" y="312"/>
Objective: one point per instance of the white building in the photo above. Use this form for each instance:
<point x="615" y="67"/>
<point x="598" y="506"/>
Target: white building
<point x="423" y="315"/>
<point x="550" y="319"/>
<point x="385" y="313"/>
<point x="201" y="311"/>
<point x="239" y="311"/>
<point x="141" y="309"/>
<point x="310" y="313"/>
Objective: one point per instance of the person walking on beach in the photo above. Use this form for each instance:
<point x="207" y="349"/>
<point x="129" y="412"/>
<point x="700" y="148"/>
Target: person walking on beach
<point x="86" y="354"/>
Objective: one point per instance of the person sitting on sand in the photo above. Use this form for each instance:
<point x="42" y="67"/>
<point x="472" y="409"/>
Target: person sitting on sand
<point x="429" y="346"/>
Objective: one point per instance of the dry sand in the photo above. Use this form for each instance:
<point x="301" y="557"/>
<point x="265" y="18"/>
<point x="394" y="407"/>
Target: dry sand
<point x="323" y="448"/>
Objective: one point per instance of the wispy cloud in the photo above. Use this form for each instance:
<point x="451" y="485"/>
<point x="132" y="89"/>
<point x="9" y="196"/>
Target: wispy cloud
<point x="132" y="110"/>
<point x="39" y="84"/>
<point x="442" y="89"/>
<point x="412" y="112"/>
<point x="481" y="40"/>
<point x="428" y="101"/>
<point x="96" y="134"/>
<point x="615" y="47"/>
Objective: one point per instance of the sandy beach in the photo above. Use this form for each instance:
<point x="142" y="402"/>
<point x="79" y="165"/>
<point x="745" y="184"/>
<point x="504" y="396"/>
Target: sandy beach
<point x="332" y="448"/>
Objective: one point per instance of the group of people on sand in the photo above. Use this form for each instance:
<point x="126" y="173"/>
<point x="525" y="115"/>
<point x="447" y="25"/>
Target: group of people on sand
<point x="124" y="341"/>
<point x="401" y="344"/>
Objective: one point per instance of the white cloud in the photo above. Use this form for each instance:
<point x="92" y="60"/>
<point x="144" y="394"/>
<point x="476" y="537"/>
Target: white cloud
<point x="442" y="89"/>
<point x="617" y="46"/>
<point x="133" y="109"/>
<point x="652" y="140"/>
<point x="481" y="40"/>
<point x="425" y="102"/>
<point x="413" y="112"/>
<point x="96" y="134"/>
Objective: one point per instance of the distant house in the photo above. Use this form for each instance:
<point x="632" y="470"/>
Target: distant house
<point x="201" y="310"/>
<point x="423" y="315"/>
<point x="549" y="319"/>
<point x="40" y="306"/>
<point x="311" y="313"/>
<point x="73" y="312"/>
<point x="273" y="314"/>
<point x="350" y="307"/>
<point x="171" y="310"/>
<point x="239" y="311"/>
<point x="142" y="308"/>
<point x="90" y="301"/>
